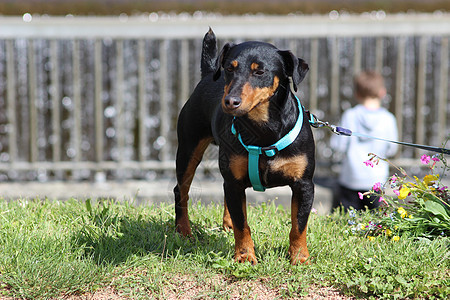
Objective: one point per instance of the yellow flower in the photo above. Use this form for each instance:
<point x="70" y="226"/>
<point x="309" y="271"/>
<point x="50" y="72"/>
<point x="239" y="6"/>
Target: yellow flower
<point x="402" y="212"/>
<point x="371" y="238"/>
<point x="404" y="192"/>
<point x="388" y="232"/>
<point x="395" y="238"/>
<point x="429" y="179"/>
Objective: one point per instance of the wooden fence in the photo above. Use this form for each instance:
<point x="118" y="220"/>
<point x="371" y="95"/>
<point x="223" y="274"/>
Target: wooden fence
<point x="80" y="96"/>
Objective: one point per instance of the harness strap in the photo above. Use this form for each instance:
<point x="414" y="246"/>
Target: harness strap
<point x="255" y="151"/>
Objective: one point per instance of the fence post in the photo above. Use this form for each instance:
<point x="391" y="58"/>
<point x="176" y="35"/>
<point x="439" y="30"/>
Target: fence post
<point x="164" y="101"/>
<point x="120" y="119"/>
<point x="443" y="92"/>
<point x="313" y="75"/>
<point x="400" y="67"/>
<point x="142" y="107"/>
<point x="33" y="125"/>
<point x="421" y="88"/>
<point x="11" y="97"/>
<point x="98" y="100"/>
<point x="77" y="135"/>
<point x="334" y="99"/>
<point x="55" y="98"/>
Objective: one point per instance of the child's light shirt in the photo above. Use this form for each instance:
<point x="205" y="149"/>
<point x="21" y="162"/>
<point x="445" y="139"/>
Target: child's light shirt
<point x="379" y="123"/>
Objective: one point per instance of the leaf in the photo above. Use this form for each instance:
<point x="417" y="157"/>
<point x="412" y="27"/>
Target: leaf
<point x="401" y="280"/>
<point x="88" y="205"/>
<point x="437" y="209"/>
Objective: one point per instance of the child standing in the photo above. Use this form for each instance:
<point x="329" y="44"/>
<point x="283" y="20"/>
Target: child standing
<point x="370" y="118"/>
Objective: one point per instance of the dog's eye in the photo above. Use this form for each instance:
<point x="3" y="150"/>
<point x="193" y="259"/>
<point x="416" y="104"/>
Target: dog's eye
<point x="229" y="69"/>
<point x="258" y="72"/>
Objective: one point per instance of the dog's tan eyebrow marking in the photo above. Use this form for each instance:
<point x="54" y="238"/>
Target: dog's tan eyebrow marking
<point x="234" y="63"/>
<point x="254" y="66"/>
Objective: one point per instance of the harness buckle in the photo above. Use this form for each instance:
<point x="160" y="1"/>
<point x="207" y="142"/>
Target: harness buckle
<point x="269" y="151"/>
<point x="253" y="150"/>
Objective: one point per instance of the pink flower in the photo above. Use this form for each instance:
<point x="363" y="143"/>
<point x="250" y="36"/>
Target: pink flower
<point x="382" y="200"/>
<point x="425" y="159"/>
<point x="394" y="178"/>
<point x="360" y="195"/>
<point x="435" y="159"/>
<point x="397" y="192"/>
<point x="369" y="163"/>
<point x="377" y="187"/>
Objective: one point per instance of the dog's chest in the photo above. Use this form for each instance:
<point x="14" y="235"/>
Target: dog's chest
<point x="291" y="168"/>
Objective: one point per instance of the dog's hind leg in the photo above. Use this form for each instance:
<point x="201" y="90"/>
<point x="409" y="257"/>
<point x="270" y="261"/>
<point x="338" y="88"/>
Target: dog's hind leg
<point x="189" y="155"/>
<point x="302" y="199"/>
<point x="227" y="223"/>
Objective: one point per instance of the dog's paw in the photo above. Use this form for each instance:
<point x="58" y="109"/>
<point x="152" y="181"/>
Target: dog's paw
<point x="300" y="260"/>
<point x="227" y="224"/>
<point x="297" y="257"/>
<point x="243" y="256"/>
<point x="184" y="232"/>
<point x="184" y="229"/>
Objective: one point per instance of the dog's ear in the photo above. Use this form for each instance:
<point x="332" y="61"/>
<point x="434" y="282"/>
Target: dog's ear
<point x="220" y="59"/>
<point x="295" y="68"/>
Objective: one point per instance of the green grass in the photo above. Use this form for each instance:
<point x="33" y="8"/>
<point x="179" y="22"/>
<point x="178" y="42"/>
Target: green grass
<point x="51" y="249"/>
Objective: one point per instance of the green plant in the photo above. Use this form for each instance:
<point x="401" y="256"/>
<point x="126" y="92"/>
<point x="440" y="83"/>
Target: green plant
<point x="413" y="207"/>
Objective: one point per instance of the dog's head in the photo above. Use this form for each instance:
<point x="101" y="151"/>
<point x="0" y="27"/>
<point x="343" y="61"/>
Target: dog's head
<point x="253" y="72"/>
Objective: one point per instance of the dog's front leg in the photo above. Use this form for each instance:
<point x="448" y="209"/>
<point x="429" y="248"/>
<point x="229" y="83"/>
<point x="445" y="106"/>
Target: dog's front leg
<point x="302" y="200"/>
<point x="237" y="207"/>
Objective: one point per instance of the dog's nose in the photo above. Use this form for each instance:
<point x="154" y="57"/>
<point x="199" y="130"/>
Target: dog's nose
<point x="232" y="102"/>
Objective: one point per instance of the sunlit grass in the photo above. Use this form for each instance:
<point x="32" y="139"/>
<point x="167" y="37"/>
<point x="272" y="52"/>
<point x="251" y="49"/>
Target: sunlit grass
<point x="54" y="249"/>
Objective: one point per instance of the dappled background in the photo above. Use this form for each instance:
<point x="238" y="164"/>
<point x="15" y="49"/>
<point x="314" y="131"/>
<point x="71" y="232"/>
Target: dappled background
<point x="95" y="98"/>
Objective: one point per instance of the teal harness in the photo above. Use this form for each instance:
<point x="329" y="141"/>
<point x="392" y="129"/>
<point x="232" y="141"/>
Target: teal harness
<point x="255" y="151"/>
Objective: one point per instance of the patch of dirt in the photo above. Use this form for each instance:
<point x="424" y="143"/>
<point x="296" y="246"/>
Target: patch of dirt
<point x="185" y="287"/>
<point x="107" y="293"/>
<point x="325" y="293"/>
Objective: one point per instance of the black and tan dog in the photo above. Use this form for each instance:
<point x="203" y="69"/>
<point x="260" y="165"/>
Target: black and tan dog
<point x="245" y="97"/>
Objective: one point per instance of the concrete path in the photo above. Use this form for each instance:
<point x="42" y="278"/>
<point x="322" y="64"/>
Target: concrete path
<point x="150" y="192"/>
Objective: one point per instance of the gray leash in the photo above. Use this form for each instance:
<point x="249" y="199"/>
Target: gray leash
<point x="316" y="123"/>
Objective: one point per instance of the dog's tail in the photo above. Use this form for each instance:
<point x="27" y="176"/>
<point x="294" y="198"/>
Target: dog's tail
<point x="209" y="53"/>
